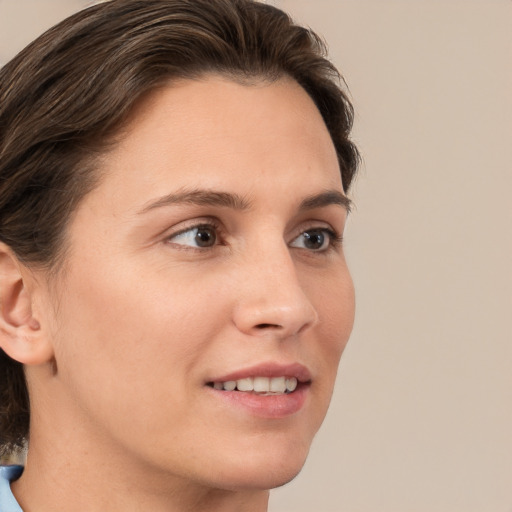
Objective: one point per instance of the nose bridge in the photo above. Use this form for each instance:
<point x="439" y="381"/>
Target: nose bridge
<point x="271" y="298"/>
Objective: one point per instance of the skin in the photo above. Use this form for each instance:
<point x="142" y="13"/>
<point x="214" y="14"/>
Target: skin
<point x="140" y="318"/>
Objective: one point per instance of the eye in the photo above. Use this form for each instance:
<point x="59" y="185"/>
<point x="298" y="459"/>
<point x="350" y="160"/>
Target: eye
<point x="202" y="236"/>
<point x="318" y="240"/>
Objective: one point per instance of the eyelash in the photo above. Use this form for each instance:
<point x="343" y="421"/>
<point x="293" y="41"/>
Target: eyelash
<point x="334" y="239"/>
<point x="210" y="224"/>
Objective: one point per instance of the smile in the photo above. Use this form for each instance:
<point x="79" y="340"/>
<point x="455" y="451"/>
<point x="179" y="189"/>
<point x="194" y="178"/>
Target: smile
<point x="259" y="385"/>
<point x="269" y="390"/>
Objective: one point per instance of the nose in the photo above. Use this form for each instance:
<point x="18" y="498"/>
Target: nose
<point x="270" y="299"/>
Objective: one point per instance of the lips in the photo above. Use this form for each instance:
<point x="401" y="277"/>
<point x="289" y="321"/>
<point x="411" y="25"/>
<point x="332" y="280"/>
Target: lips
<point x="258" y="390"/>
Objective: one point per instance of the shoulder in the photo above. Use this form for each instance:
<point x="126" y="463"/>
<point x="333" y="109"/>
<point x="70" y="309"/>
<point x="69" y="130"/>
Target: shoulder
<point x="7" y="501"/>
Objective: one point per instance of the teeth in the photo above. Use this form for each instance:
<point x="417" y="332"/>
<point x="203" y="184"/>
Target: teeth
<point x="230" y="385"/>
<point x="264" y="385"/>
<point x="278" y="385"/>
<point x="244" y="384"/>
<point x="291" y="384"/>
<point x="261" y="384"/>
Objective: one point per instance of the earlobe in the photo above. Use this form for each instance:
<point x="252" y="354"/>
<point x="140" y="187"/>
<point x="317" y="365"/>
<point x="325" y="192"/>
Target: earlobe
<point x="21" y="335"/>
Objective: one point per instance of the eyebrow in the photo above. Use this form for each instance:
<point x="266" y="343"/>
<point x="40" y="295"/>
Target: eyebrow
<point x="238" y="202"/>
<point x="202" y="198"/>
<point x="324" y="199"/>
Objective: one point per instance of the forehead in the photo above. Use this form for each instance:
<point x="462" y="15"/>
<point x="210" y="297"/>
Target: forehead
<point x="217" y="133"/>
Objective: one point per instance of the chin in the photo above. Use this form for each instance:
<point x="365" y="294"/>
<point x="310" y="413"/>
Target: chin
<point x="265" y="479"/>
<point x="266" y="469"/>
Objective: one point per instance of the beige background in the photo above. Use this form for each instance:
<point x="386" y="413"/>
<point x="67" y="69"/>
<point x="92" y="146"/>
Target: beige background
<point x="422" y="416"/>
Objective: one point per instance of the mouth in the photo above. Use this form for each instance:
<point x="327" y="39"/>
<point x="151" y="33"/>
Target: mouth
<point x="269" y="391"/>
<point x="265" y="386"/>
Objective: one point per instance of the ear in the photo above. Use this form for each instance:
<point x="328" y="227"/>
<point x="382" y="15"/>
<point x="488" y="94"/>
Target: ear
<point x="21" y="335"/>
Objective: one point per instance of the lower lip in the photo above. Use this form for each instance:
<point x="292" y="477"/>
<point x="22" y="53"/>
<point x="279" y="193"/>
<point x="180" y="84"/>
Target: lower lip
<point x="266" y="406"/>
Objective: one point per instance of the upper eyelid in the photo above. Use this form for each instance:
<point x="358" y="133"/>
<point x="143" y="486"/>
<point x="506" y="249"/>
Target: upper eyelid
<point x="194" y="224"/>
<point x="167" y="236"/>
<point x="301" y="226"/>
<point x="334" y="236"/>
<point x="317" y="225"/>
<point x="212" y="222"/>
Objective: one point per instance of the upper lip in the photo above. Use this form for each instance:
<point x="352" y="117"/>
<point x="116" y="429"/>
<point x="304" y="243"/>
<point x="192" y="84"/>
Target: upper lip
<point x="270" y="369"/>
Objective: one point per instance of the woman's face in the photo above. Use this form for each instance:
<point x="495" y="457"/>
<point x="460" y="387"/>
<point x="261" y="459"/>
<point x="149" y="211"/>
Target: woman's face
<point x="210" y="254"/>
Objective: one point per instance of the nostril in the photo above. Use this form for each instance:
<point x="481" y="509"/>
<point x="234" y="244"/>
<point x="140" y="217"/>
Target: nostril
<point x="267" y="326"/>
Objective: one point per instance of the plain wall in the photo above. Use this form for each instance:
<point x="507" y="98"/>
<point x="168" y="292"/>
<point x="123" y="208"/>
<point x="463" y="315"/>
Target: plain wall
<point x="421" y="420"/>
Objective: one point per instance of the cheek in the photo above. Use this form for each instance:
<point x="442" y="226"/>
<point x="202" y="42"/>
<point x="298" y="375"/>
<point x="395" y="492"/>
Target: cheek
<point x="334" y="300"/>
<point x="339" y="314"/>
<point x="336" y="308"/>
<point x="123" y="336"/>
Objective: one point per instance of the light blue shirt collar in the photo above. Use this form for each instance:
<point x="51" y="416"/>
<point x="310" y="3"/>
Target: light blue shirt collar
<point x="8" y="502"/>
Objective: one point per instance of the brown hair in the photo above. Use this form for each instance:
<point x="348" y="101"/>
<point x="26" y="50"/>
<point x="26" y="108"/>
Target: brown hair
<point x="65" y="96"/>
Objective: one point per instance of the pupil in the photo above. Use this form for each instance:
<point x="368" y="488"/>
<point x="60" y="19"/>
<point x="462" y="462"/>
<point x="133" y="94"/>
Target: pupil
<point x="205" y="237"/>
<point x="314" y="240"/>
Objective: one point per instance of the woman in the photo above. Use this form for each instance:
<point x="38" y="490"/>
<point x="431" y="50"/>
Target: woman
<point x="174" y="296"/>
